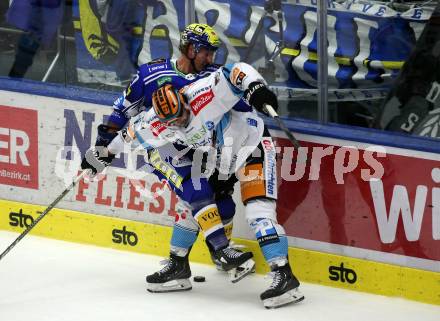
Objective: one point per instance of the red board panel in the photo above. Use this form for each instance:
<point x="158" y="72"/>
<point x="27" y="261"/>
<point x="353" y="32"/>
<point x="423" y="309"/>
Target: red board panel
<point x="383" y="202"/>
<point x="19" y="147"/>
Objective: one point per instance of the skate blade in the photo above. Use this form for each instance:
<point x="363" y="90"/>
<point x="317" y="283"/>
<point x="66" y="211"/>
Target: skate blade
<point x="292" y="296"/>
<point x="241" y="271"/>
<point x="219" y="268"/>
<point x="170" y="286"/>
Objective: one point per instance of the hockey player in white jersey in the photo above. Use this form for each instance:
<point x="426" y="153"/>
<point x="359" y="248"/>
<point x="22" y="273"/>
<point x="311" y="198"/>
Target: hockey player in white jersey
<point x="200" y="115"/>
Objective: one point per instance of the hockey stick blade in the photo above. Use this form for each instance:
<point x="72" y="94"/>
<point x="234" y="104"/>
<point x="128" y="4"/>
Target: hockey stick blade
<point x="47" y="210"/>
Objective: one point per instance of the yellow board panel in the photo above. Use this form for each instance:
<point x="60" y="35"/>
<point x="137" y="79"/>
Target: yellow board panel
<point x="310" y="266"/>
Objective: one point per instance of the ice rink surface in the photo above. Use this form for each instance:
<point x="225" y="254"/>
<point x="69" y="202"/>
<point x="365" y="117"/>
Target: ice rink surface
<point x="43" y="279"/>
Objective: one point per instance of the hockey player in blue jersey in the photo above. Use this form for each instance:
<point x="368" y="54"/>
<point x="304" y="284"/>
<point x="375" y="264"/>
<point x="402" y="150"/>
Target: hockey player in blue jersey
<point x="198" y="43"/>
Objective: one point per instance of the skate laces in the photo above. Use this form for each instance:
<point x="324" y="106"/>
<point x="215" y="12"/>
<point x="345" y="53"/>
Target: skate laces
<point x="168" y="264"/>
<point x="232" y="253"/>
<point x="276" y="278"/>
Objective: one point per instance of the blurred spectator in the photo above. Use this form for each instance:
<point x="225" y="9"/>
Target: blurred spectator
<point x="413" y="106"/>
<point x="108" y="37"/>
<point x="39" y="19"/>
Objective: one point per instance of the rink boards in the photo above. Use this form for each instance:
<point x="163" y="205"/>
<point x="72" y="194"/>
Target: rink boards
<point x="359" y="215"/>
<point x="308" y="265"/>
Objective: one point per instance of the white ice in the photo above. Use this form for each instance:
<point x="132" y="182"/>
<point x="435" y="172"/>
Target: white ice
<point x="44" y="279"/>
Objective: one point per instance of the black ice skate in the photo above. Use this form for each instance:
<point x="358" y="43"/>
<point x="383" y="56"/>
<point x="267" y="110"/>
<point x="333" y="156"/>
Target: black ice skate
<point x="218" y="264"/>
<point x="174" y="276"/>
<point x="238" y="264"/>
<point x="283" y="290"/>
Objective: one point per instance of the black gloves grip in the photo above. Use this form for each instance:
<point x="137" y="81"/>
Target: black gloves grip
<point x="259" y="95"/>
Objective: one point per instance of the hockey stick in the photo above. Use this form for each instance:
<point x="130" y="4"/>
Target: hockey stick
<point x="47" y="210"/>
<point x="272" y="113"/>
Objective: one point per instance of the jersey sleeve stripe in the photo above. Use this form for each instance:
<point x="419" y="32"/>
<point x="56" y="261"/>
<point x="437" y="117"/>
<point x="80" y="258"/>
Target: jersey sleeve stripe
<point x="156" y="75"/>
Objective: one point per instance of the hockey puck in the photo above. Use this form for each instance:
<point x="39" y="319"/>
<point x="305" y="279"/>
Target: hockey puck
<point x="199" y="278"/>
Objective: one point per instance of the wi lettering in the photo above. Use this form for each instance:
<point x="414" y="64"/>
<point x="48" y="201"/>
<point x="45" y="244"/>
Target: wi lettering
<point x="124" y="236"/>
<point x="412" y="213"/>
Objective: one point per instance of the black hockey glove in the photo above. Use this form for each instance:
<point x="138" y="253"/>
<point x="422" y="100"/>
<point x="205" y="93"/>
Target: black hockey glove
<point x="258" y="95"/>
<point x="223" y="188"/>
<point x="97" y="159"/>
<point x="105" y="135"/>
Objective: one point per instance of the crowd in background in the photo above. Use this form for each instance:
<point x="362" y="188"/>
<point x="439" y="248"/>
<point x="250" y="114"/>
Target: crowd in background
<point x="101" y="43"/>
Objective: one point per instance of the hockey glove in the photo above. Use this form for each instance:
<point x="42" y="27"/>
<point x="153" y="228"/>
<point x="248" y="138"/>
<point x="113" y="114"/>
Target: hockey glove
<point x="97" y="159"/>
<point x="105" y="135"/>
<point x="259" y="95"/>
